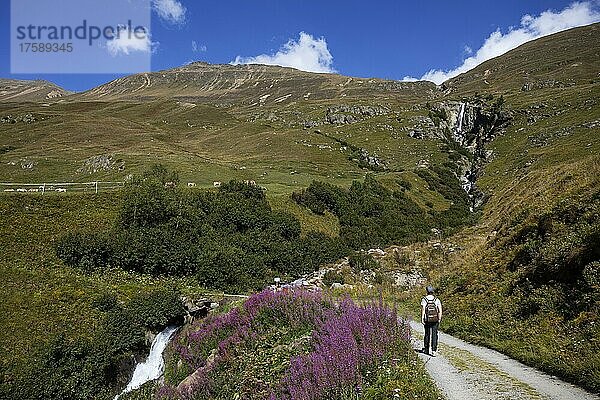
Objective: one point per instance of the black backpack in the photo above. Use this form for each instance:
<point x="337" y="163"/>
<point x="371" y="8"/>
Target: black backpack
<point x="431" y="310"/>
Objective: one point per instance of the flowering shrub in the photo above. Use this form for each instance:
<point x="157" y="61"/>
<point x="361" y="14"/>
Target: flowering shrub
<point x="294" y="345"/>
<point x="346" y="344"/>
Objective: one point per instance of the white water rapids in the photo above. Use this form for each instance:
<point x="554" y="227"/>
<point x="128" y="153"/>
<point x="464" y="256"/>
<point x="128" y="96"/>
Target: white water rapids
<point x="153" y="367"/>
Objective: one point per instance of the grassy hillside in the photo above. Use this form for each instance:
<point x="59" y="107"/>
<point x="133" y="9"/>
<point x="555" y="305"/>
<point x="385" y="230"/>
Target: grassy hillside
<point x="514" y="281"/>
<point x="42" y="298"/>
<point x="557" y="61"/>
<point x="216" y="123"/>
<point x="68" y="142"/>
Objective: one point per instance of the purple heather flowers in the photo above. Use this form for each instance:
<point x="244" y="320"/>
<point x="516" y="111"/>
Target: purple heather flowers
<point x="347" y="341"/>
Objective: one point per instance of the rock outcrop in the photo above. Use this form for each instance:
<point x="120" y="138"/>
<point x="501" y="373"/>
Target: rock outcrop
<point x="475" y="124"/>
<point x="470" y="125"/>
<point x="344" y="114"/>
<point x="103" y="162"/>
<point x="25" y="118"/>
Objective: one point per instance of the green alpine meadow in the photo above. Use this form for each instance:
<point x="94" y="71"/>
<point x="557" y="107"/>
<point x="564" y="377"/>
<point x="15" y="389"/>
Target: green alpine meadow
<point x="264" y="233"/>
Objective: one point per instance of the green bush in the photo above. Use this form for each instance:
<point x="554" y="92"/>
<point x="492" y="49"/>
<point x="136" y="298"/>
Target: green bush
<point x="333" y="276"/>
<point x="158" y="308"/>
<point x="105" y="302"/>
<point x="147" y="201"/>
<point x="88" y="251"/>
<point x="286" y="225"/>
<point x="406" y="185"/>
<point x="229" y="268"/>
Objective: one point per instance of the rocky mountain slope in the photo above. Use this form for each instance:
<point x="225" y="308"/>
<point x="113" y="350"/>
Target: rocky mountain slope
<point x="252" y="85"/>
<point x="15" y="91"/>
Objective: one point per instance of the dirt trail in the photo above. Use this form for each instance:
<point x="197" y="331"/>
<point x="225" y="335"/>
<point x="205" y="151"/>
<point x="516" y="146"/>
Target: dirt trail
<point x="464" y="371"/>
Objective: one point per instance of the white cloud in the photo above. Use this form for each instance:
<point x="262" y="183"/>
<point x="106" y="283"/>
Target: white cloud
<point x="127" y="42"/>
<point x="409" y="79"/>
<point x="498" y="43"/>
<point x="171" y="11"/>
<point x="196" y="47"/>
<point x="306" y="54"/>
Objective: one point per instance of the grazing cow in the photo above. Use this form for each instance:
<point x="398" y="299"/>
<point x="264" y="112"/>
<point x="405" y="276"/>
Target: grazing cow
<point x="170" y="185"/>
<point x="61" y="190"/>
<point x="217" y="184"/>
<point x="191" y="184"/>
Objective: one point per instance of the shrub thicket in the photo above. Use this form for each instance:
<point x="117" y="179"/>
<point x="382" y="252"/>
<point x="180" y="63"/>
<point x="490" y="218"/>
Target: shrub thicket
<point x="230" y="239"/>
<point x="555" y="258"/>
<point x="88" y="251"/>
<point x="372" y="215"/>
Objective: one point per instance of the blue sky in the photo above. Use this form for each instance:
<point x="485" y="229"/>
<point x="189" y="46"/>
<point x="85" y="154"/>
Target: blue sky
<point x="388" y="39"/>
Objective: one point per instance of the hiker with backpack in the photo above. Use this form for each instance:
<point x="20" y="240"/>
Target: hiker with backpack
<point x="431" y="315"/>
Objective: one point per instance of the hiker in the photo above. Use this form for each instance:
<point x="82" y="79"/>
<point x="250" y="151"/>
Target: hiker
<point x="431" y="315"/>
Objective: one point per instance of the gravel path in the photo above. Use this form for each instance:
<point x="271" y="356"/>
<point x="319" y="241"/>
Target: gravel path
<point x="464" y="371"/>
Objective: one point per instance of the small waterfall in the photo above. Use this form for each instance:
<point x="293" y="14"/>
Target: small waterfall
<point x="153" y="367"/>
<point x="461" y="116"/>
<point x="467" y="180"/>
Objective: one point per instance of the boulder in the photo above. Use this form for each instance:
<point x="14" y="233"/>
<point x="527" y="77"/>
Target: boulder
<point x="376" y="252"/>
<point x="340" y="119"/>
<point x="340" y="286"/>
<point x="196" y="309"/>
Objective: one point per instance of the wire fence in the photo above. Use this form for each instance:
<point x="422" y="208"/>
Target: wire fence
<point x="54" y="187"/>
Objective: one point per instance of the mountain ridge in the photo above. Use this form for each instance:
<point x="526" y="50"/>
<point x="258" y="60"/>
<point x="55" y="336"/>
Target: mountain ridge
<point x="485" y="76"/>
<point x="16" y="91"/>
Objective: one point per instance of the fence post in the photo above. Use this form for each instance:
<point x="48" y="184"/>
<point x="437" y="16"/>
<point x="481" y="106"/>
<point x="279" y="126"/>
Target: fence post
<point x="96" y="187"/>
<point x="44" y="189"/>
